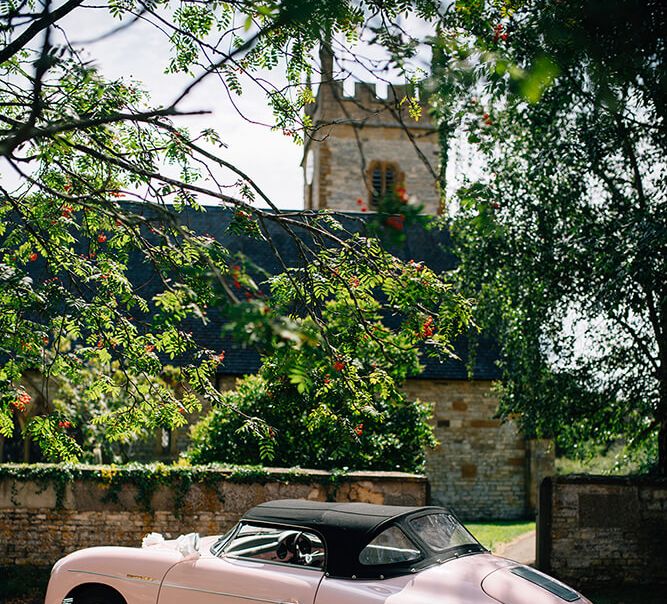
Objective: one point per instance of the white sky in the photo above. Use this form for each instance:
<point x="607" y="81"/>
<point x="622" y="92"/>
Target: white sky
<point x="142" y="52"/>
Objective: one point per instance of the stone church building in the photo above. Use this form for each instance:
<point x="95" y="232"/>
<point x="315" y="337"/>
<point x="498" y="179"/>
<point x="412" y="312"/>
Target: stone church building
<point x="362" y="146"/>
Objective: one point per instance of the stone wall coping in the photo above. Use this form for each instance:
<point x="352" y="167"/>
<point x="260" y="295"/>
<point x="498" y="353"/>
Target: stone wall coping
<point x="91" y="470"/>
<point x="356" y="474"/>
<point x="625" y="480"/>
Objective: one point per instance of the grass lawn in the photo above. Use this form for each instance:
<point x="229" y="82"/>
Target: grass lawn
<point x="493" y="534"/>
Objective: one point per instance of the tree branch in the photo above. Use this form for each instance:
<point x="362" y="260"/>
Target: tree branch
<point x="39" y="25"/>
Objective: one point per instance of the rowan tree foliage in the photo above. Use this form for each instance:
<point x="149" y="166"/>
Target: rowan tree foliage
<point x="564" y="241"/>
<point x="77" y="402"/>
<point x="324" y="411"/>
<point x="84" y="156"/>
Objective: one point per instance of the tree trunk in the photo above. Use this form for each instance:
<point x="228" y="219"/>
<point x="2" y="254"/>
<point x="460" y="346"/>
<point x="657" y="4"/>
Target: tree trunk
<point x="662" y="450"/>
<point x="26" y="449"/>
<point x="662" y="423"/>
<point x="661" y="414"/>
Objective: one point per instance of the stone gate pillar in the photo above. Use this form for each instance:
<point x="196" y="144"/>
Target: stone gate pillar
<point x="541" y="462"/>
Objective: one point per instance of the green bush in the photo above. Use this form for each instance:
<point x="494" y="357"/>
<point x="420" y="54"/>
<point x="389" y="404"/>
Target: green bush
<point x="86" y="399"/>
<point x="306" y="435"/>
<point x="326" y="403"/>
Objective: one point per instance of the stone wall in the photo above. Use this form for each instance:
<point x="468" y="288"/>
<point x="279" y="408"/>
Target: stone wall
<point x="353" y="132"/>
<point x="39" y="523"/>
<point x="481" y="468"/>
<point x="596" y="530"/>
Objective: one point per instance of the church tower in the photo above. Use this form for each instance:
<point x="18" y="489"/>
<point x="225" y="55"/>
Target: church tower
<point x="363" y="147"/>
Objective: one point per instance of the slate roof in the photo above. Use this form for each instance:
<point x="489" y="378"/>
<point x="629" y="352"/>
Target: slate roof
<point x="432" y="247"/>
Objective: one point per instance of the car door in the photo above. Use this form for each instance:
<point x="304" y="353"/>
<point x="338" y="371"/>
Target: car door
<point x="259" y="565"/>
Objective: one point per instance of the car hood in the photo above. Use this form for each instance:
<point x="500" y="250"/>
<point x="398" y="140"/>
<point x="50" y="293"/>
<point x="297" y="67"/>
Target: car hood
<point x="480" y="578"/>
<point x="459" y="578"/>
<point x="519" y="584"/>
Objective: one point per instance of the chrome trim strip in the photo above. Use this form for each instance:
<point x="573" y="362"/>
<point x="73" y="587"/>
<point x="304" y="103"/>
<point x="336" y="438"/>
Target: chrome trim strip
<point x="117" y="577"/>
<point x="222" y="593"/>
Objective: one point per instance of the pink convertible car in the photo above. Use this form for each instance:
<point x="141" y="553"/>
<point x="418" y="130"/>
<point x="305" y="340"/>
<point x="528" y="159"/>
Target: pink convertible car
<point x="304" y="552"/>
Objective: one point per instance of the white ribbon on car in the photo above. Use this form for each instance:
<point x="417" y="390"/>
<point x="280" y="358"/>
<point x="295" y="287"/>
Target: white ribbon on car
<point x="186" y="545"/>
<point x="152" y="539"/>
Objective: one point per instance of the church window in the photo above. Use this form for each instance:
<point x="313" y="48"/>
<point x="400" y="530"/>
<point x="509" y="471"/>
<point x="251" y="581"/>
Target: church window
<point x="383" y="178"/>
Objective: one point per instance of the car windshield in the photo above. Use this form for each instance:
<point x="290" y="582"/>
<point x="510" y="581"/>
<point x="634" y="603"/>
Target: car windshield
<point x="283" y="545"/>
<point x="216" y="548"/>
<point x="441" y="531"/>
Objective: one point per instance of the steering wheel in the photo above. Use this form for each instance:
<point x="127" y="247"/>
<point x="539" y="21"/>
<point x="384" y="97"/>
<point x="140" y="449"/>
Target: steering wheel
<point x="303" y="548"/>
<point x="298" y="545"/>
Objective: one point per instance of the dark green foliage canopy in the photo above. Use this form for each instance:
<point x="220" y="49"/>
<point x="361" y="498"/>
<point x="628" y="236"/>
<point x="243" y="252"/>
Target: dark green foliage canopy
<point x="564" y="243"/>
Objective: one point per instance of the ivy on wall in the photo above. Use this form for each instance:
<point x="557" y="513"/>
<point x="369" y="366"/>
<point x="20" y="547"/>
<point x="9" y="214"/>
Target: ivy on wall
<point x="145" y="479"/>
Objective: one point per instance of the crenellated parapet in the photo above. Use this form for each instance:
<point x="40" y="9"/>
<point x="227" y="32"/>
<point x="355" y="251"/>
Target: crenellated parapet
<point x="366" y="106"/>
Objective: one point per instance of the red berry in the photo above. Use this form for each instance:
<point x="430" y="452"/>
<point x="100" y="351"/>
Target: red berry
<point x="33" y="256"/>
<point x="101" y="238"/>
<point x="396" y="222"/>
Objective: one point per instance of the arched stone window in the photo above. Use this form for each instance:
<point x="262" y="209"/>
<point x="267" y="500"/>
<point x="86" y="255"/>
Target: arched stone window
<point x="383" y="176"/>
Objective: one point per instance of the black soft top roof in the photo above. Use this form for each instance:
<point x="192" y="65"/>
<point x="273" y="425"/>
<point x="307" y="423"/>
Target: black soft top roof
<point x="345" y="527"/>
<point x="355" y="517"/>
